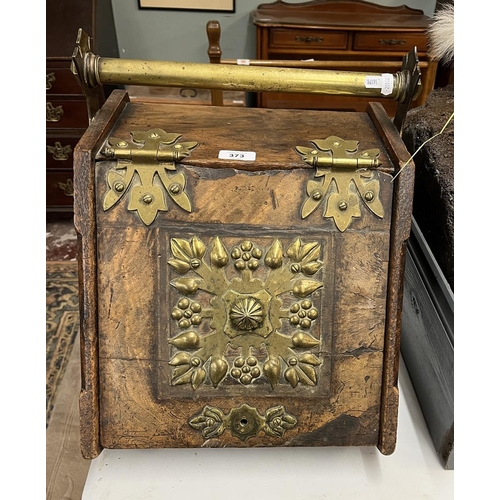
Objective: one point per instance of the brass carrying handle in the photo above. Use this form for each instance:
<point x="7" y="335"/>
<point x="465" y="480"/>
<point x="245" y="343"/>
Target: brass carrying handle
<point x="93" y="71"/>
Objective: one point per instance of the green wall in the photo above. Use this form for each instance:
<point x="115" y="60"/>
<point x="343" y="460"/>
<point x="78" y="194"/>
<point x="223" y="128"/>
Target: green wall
<point x="174" y="35"/>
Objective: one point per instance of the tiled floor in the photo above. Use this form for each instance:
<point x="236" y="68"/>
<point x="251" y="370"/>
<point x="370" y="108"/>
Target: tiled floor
<point x="61" y="243"/>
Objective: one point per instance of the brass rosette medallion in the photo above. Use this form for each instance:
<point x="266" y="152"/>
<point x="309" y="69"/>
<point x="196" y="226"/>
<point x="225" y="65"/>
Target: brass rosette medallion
<point x="234" y="303"/>
<point x="346" y="180"/>
<point x="146" y="166"/>
<point x="243" y="422"/>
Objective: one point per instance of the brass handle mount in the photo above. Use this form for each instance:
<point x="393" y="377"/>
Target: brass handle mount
<point x="309" y="39"/>
<point x="391" y="41"/>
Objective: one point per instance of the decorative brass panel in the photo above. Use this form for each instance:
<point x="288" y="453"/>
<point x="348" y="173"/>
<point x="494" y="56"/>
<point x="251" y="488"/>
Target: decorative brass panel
<point x="243" y="422"/>
<point x="346" y="180"/>
<point x="233" y="306"/>
<point x="147" y="159"/>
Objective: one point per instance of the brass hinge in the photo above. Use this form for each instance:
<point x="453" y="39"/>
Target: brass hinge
<point x="146" y="160"/>
<point x="347" y="178"/>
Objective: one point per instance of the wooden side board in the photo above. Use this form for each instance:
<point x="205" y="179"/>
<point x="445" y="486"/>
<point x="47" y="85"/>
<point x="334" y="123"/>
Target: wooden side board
<point x="339" y="35"/>
<point x="85" y="225"/>
<point x="403" y="196"/>
<point x="297" y="11"/>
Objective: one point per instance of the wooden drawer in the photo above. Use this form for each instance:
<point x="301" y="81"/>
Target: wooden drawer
<point x="60" y="80"/>
<point x="67" y="113"/>
<point x="389" y="41"/>
<point x="59" y="152"/>
<point x="317" y="39"/>
<point x="59" y="189"/>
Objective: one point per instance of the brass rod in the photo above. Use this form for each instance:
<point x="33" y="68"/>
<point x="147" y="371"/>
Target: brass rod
<point x="238" y="78"/>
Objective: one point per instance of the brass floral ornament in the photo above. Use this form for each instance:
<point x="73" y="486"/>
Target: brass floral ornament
<point x="250" y="293"/>
<point x="347" y="180"/>
<point x="243" y="422"/>
<point x="150" y="158"/>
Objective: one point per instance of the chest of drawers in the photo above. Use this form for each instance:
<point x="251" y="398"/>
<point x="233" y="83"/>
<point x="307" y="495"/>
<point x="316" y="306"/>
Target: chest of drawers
<point x="354" y="36"/>
<point x="66" y="116"/>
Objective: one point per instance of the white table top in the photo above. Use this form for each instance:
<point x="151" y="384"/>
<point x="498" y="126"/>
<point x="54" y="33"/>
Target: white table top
<point x="413" y="471"/>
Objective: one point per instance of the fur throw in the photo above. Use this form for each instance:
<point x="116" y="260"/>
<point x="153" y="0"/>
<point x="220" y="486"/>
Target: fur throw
<point x="441" y="35"/>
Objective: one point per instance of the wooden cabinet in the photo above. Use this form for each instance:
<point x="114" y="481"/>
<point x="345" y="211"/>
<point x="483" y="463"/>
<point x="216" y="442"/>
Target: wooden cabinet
<point x="66" y="116"/>
<point x="346" y="35"/>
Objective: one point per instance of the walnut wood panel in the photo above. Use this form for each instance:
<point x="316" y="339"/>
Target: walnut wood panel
<point x="133" y="260"/>
<point x="85" y="225"/>
<point x="63" y="21"/>
<point x="59" y="189"/>
<point x="390" y="41"/>
<point x="228" y="130"/>
<point x="400" y="233"/>
<point x="70" y="113"/>
<point x="242" y="195"/>
<point x="60" y="80"/>
<point x="128" y="400"/>
<point x="59" y="150"/>
<point x="321" y="7"/>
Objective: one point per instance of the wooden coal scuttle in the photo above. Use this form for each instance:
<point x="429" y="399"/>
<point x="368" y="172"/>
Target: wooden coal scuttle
<point x="241" y="269"/>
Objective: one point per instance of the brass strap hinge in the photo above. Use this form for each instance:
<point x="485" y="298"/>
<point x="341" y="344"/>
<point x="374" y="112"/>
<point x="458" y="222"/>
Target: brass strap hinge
<point x="147" y="165"/>
<point x="347" y="177"/>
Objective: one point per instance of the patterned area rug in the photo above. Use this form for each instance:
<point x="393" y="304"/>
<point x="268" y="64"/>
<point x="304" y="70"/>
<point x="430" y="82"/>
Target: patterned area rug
<point x="62" y="323"/>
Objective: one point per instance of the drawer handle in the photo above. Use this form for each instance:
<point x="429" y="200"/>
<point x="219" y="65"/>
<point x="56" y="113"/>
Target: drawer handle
<point x="59" y="152"/>
<point x="67" y="187"/>
<point x="51" y="78"/>
<point x="188" y="92"/>
<point x="54" y="113"/>
<point x="308" y="39"/>
<point x="391" y="41"/>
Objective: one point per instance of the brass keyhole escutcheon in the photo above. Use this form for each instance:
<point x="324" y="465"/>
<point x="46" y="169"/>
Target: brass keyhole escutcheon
<point x="245" y="422"/>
